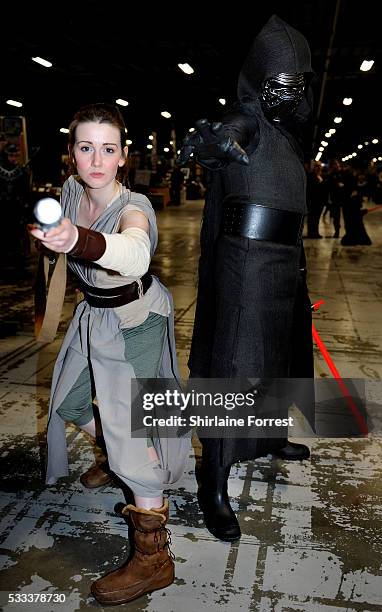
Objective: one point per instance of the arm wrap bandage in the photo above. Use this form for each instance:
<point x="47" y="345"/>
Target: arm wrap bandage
<point x="127" y="253"/>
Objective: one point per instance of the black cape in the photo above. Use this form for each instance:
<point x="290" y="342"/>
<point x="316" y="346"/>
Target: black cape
<point x="253" y="315"/>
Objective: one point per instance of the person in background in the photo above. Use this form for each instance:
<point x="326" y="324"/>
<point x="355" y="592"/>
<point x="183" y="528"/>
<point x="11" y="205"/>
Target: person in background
<point x="337" y="193"/>
<point x="122" y="329"/>
<point x="15" y="196"/>
<point x="195" y="188"/>
<point x="363" y="186"/>
<point x="316" y="199"/>
<point x="176" y="185"/>
<point x="376" y="191"/>
<point x="3" y="144"/>
<point x="353" y="212"/>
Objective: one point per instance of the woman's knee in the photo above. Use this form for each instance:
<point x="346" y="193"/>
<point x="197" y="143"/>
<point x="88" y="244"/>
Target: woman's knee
<point x="77" y="405"/>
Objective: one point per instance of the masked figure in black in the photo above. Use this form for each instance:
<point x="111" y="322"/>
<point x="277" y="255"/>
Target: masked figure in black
<point x="253" y="316"/>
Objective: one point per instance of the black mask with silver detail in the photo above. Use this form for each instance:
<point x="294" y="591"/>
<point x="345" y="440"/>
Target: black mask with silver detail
<point x="281" y="95"/>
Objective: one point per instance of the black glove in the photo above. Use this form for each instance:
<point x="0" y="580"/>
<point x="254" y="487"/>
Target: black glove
<point x="212" y="145"/>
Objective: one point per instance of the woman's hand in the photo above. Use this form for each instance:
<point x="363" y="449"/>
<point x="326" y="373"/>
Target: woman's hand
<point x="60" y="239"/>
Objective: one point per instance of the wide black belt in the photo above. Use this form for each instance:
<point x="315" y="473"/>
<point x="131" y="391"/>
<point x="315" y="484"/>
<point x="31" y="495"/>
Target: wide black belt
<point x="259" y="222"/>
<point x="113" y="297"/>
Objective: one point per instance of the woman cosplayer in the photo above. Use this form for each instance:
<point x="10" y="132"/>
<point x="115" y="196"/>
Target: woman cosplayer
<point x="121" y="330"/>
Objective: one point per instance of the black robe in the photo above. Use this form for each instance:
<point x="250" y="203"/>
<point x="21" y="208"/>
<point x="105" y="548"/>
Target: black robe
<point x="253" y="315"/>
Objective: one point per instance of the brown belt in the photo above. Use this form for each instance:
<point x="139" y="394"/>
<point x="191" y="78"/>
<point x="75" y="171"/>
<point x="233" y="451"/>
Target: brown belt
<point x="116" y="296"/>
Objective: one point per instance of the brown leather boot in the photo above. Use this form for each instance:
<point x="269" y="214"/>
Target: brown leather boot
<point x="151" y="566"/>
<point x="96" y="476"/>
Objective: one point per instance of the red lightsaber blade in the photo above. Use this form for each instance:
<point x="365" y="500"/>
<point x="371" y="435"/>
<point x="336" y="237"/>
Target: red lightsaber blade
<point x="345" y="392"/>
<point x="369" y="210"/>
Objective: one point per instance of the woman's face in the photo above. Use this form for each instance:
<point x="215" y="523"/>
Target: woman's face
<point x="97" y="153"/>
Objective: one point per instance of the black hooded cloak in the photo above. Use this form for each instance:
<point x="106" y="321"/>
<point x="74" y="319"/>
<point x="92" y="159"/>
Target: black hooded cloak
<point x="253" y="316"/>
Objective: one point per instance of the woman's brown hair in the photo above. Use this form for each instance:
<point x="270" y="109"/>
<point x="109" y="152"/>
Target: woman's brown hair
<point x="98" y="113"/>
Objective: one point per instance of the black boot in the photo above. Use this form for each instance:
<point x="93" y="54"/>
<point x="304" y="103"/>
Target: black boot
<point x="292" y="452"/>
<point x="213" y="499"/>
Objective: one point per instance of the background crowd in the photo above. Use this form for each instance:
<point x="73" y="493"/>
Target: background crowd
<point x="341" y="193"/>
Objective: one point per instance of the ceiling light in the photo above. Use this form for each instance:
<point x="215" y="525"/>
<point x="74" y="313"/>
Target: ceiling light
<point x="187" y="69"/>
<point x="43" y="62"/>
<point x="347" y="101"/>
<point x="374" y="159"/>
<point x="191" y="130"/>
<point x="166" y="149"/>
<point x="122" y="102"/>
<point x="375" y="141"/>
<point x="166" y="114"/>
<point x="129" y="142"/>
<point x="332" y="130"/>
<point x="321" y="149"/>
<point x="324" y="143"/>
<point x="222" y="101"/>
<point x="318" y="156"/>
<point x="337" y="119"/>
<point x="171" y="142"/>
<point x="360" y="146"/>
<point x="64" y="130"/>
<point x="14" y="103"/>
<point x="366" y="143"/>
<point x="149" y="146"/>
<point x="328" y="134"/>
<point x="151" y="137"/>
<point x="379" y="158"/>
<point x="366" y="65"/>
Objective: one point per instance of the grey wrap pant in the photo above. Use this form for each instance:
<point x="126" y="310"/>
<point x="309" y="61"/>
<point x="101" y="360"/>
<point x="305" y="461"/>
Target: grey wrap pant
<point x="143" y="350"/>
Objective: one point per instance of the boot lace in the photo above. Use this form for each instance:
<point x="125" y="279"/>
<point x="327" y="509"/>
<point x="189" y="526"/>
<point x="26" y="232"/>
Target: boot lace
<point x="168" y="542"/>
<point x="157" y="541"/>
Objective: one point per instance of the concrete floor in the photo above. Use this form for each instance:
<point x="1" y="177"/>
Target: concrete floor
<point x="311" y="530"/>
